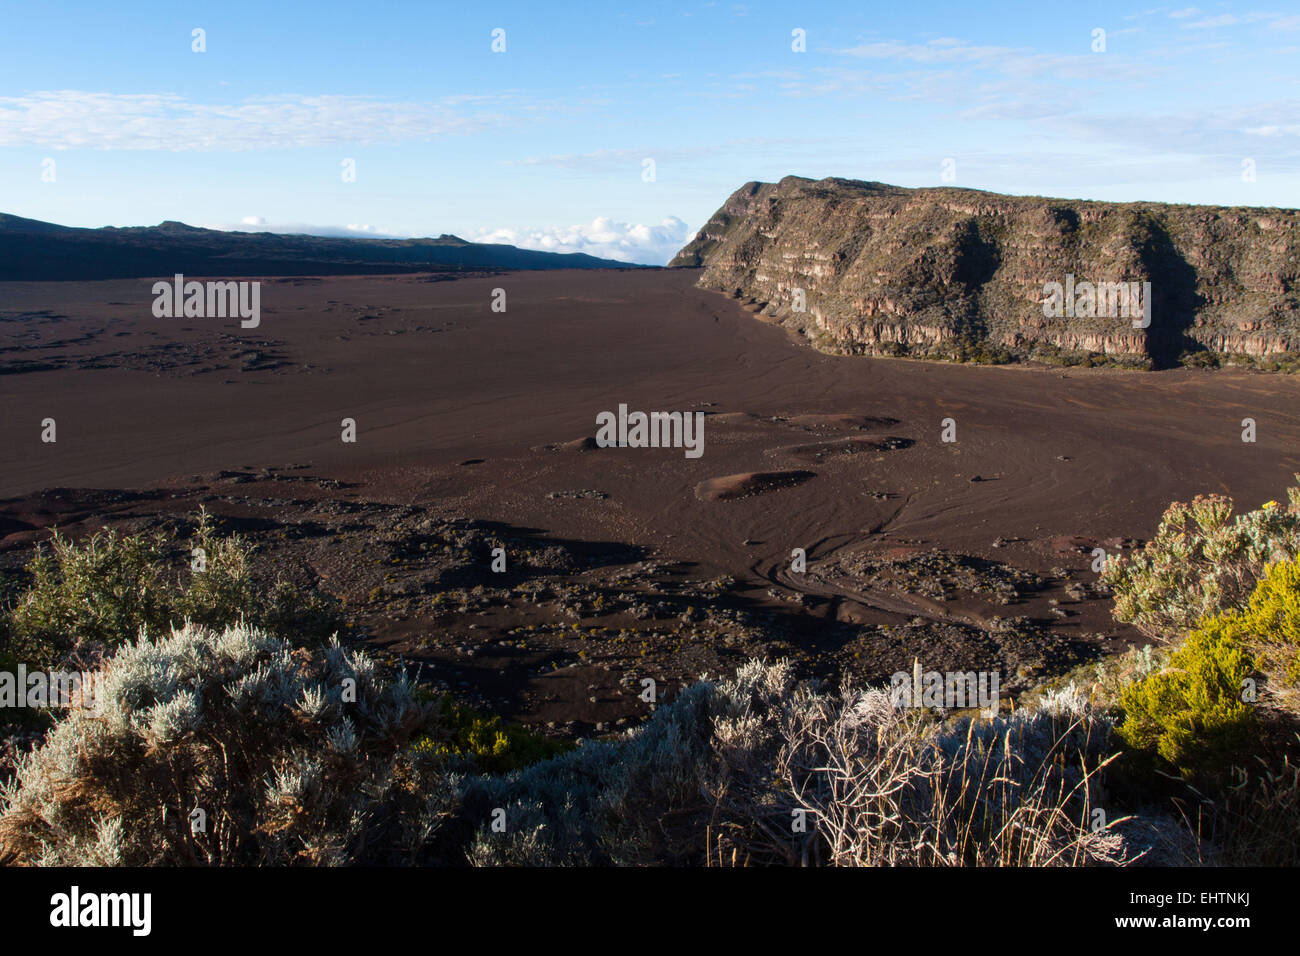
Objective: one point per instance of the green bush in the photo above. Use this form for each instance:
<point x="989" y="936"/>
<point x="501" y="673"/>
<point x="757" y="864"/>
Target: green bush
<point x="1270" y="625"/>
<point x="1191" y="714"/>
<point x="100" y="592"/>
<point x="97" y="594"/>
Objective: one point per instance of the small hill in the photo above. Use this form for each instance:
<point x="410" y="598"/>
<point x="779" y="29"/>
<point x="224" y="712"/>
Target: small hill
<point x="43" y="251"/>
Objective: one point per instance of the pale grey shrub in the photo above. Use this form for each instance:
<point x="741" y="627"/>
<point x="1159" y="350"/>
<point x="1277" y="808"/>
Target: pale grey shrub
<point x="1203" y="560"/>
<point x="877" y="785"/>
<point x="736" y="764"/>
<point x="263" y="737"/>
<point x="603" y="802"/>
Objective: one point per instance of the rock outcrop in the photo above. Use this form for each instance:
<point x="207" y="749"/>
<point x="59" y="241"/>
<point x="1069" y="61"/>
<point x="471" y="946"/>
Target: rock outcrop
<point x="952" y="272"/>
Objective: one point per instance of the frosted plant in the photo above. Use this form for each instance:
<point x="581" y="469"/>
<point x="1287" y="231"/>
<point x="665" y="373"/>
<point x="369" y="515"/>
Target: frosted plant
<point x="878" y="785"/>
<point x="235" y="722"/>
<point x="1065" y="702"/>
<point x="288" y="771"/>
<point x="1202" y="561"/>
<point x="342" y="737"/>
<point x="314" y="704"/>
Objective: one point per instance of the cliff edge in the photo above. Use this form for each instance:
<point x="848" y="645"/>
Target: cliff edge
<point x="867" y="268"/>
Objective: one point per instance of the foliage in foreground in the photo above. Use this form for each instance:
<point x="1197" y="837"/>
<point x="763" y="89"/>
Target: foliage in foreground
<point x="290" y="768"/>
<point x="1255" y="820"/>
<point x="1270" y="626"/>
<point x="305" y="755"/>
<point x="486" y="743"/>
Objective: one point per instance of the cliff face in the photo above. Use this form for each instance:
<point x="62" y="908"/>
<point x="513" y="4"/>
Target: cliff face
<point x="938" y="272"/>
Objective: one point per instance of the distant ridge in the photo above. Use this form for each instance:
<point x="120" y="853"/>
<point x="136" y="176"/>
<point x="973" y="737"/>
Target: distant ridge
<point x="961" y="273"/>
<point x="44" y="251"/>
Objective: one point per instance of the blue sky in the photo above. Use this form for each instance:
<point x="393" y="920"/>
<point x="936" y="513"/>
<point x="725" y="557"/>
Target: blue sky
<point x="545" y="144"/>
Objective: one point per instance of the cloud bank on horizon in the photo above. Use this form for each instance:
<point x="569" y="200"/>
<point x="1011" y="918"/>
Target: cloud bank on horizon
<point x="603" y="237"/>
<point x="544" y="140"/>
<point x="259" y="224"/>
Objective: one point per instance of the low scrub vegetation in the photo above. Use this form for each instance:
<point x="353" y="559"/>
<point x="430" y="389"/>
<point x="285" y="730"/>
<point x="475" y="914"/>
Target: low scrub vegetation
<point x="1198" y="712"/>
<point x="298" y="757"/>
<point x="486" y="743"/>
<point x="230" y="728"/>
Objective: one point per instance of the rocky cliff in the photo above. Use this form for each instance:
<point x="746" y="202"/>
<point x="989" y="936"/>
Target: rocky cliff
<point x="866" y="268"/>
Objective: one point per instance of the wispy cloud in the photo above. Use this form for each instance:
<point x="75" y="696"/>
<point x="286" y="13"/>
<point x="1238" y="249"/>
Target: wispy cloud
<point x="600" y="160"/>
<point x="1275" y="21"/>
<point x="950" y="52"/>
<point x="631" y="160"/>
<point x="72" y="119"/>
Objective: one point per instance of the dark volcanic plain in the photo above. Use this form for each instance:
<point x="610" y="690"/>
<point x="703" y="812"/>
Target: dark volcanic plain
<point x="622" y="563"/>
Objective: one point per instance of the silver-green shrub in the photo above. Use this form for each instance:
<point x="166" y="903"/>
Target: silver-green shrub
<point x="292" y="768"/>
<point x="766" y="769"/>
<point x="879" y="785"/>
<point x="85" y="598"/>
<point x="605" y="802"/>
<point x="290" y="756"/>
<point x="1203" y="560"/>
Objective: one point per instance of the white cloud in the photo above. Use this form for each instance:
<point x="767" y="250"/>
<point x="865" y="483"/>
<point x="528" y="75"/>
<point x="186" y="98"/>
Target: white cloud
<point x="600" y="159"/>
<point x="1222" y="20"/>
<point x="944" y="50"/>
<point x="630" y="161"/>
<point x="1277" y="21"/>
<point x="259" y="224"/>
<point x="72" y="119"/>
<point x="1021" y="63"/>
<point x="604" y="237"/>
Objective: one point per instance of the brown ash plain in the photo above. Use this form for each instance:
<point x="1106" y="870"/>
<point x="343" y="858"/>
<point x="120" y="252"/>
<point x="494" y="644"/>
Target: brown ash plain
<point x="622" y="563"/>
